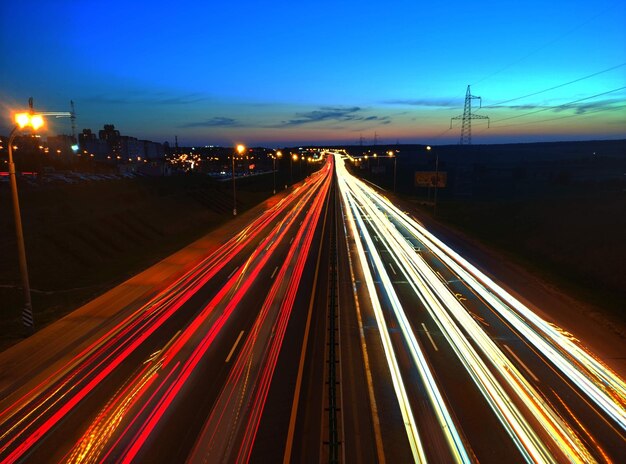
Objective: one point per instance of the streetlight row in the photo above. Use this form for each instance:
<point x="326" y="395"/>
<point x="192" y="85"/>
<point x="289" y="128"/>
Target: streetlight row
<point x="240" y="149"/>
<point x="389" y="154"/>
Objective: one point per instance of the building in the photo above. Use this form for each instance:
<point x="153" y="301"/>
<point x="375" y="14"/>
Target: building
<point x="112" y="137"/>
<point x="111" y="146"/>
<point x="89" y="144"/>
<point x="153" y="150"/>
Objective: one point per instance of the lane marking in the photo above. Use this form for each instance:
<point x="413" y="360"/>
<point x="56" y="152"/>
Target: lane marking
<point x="231" y="274"/>
<point x="232" y="350"/>
<point x="305" y="341"/>
<point x="430" y="337"/>
<point x="291" y="241"/>
<point x="521" y="363"/>
<point x="392" y="269"/>
<point x="366" y="362"/>
<point x="274" y="273"/>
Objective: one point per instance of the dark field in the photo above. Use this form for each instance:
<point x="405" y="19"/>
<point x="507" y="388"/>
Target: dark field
<point x="575" y="240"/>
<point x="85" y="238"/>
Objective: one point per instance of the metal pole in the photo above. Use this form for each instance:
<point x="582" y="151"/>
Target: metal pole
<point x="436" y="182"/>
<point x="394" y="173"/>
<point x="27" y="311"/>
<point x="234" y="190"/>
<point x="274" y="170"/>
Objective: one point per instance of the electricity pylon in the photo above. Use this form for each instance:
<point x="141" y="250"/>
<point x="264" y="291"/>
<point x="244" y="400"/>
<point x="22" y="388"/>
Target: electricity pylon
<point x="466" y="118"/>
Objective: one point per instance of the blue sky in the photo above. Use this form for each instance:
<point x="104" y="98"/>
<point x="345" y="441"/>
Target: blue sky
<point x="290" y="72"/>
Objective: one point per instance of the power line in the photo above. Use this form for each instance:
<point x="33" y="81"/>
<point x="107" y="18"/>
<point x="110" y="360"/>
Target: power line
<point x="543" y="91"/>
<point x="597" y="110"/>
<point x="556" y="86"/>
<point x="442" y="133"/>
<point x="559" y="106"/>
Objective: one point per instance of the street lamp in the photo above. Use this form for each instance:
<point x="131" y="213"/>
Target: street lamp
<point x="278" y="154"/>
<point x="294" y="157"/>
<point x="35" y="121"/>
<point x="240" y="149"/>
<point x="429" y="148"/>
<point x="392" y="155"/>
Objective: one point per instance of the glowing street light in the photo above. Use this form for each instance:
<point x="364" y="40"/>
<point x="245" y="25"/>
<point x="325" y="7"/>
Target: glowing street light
<point x="294" y="157"/>
<point x="429" y="148"/>
<point x="391" y="154"/>
<point x="240" y="150"/>
<point x="22" y="121"/>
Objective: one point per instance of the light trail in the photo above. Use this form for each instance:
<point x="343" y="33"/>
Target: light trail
<point x="380" y="452"/>
<point x="300" y="249"/>
<point x="240" y="286"/>
<point x="38" y="411"/>
<point x="439" y="301"/>
<point x="603" y="386"/>
<point x="234" y="419"/>
<point x="449" y="429"/>
<point x="138" y="410"/>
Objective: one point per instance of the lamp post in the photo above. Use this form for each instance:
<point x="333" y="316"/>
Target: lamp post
<point x="392" y="155"/>
<point x="278" y="154"/>
<point x="240" y="149"/>
<point x="429" y="148"/>
<point x="35" y="121"/>
<point x="294" y="157"/>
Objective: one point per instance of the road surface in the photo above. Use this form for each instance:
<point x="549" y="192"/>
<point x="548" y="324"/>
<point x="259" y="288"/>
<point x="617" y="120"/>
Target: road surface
<point x="332" y="327"/>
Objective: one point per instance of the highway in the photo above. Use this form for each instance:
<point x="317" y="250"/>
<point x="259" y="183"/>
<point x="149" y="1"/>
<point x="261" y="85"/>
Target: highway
<point x="332" y="328"/>
<point x="482" y="359"/>
<point x="160" y="377"/>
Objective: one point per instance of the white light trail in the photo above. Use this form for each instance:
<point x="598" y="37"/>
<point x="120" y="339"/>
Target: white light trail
<point x="603" y="386"/>
<point x="453" y="319"/>
<point x="449" y="429"/>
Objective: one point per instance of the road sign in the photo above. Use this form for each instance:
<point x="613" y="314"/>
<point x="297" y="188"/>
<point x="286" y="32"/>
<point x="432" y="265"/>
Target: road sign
<point x="431" y="179"/>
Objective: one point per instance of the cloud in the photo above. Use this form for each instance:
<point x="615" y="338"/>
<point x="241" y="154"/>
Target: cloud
<point x="329" y="113"/>
<point x="578" y="108"/>
<point x="582" y="108"/>
<point x="217" y="121"/>
<point x="440" y="103"/>
<point x="324" y="114"/>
